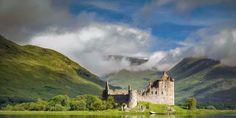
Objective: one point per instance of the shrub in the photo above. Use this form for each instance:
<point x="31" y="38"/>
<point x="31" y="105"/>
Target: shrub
<point x="78" y="105"/>
<point x="58" y="103"/>
<point x="40" y="105"/>
<point x="8" y="108"/>
<point x="64" y="103"/>
<point x="147" y="105"/>
<point x="58" y="107"/>
<point x="191" y="103"/>
<point x="63" y="100"/>
<point x="211" y="107"/>
<point x="110" y="103"/>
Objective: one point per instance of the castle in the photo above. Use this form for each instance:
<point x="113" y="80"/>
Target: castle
<point x="158" y="92"/>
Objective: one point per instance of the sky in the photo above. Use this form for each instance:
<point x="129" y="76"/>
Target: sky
<point x="164" y="31"/>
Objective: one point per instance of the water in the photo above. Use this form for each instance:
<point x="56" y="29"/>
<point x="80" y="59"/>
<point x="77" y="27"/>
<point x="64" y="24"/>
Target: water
<point x="121" y="116"/>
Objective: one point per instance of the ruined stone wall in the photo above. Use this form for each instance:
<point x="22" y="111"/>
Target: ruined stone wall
<point x="117" y="92"/>
<point x="159" y="92"/>
<point x="121" y="98"/>
<point x="163" y="94"/>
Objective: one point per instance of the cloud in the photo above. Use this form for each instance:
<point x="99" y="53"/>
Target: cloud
<point x="186" y="12"/>
<point x="112" y="6"/>
<point x="86" y="38"/>
<point x="218" y="45"/>
<point x="188" y="5"/>
<point x="21" y="19"/>
<point x="184" y="5"/>
<point x="88" y="45"/>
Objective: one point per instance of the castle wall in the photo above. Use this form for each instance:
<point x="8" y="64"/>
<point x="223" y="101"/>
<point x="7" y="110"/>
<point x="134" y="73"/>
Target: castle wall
<point x="159" y="92"/>
<point x="121" y="98"/>
<point x="133" y="99"/>
<point x="163" y="94"/>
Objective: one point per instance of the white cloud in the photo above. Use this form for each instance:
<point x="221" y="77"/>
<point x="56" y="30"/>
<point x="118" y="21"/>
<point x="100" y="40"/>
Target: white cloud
<point x="89" y="44"/>
<point x="219" y="45"/>
<point x="86" y="40"/>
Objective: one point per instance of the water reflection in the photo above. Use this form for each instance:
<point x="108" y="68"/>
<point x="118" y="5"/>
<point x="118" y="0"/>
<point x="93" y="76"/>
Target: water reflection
<point x="119" y="116"/>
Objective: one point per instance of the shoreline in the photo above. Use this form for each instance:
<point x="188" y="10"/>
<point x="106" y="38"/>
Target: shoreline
<point x="112" y="112"/>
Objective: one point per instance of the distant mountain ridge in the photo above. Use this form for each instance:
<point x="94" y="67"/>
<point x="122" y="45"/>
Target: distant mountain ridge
<point x="206" y="79"/>
<point x="134" y="61"/>
<point x="31" y="72"/>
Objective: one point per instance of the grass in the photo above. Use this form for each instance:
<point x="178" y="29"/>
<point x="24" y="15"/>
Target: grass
<point x="31" y="72"/>
<point x="61" y="112"/>
<point x="114" y="112"/>
<point x="162" y="109"/>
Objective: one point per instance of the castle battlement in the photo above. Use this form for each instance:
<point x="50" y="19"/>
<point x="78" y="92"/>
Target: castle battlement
<point x="158" y="92"/>
<point x="117" y="92"/>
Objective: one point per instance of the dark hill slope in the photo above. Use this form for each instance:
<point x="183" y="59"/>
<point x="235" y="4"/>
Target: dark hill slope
<point x="206" y="79"/>
<point x="30" y="72"/>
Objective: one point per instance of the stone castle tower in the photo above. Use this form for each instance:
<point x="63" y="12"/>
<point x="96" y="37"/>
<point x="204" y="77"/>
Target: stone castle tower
<point x="132" y="97"/>
<point x="158" y="92"/>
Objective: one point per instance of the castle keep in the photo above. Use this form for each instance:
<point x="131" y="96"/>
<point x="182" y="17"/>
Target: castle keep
<point x="158" y="92"/>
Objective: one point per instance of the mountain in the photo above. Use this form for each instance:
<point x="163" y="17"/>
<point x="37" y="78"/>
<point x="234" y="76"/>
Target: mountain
<point x="206" y="79"/>
<point x="124" y="77"/>
<point x="137" y="79"/>
<point x="30" y="72"/>
<point x="134" y="61"/>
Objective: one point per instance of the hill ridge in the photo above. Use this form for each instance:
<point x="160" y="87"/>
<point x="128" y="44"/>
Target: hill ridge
<point x="29" y="72"/>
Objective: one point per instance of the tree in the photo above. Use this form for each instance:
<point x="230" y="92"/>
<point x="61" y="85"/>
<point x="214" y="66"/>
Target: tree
<point x="90" y="99"/>
<point x="147" y="105"/>
<point x="110" y="103"/>
<point x="191" y="103"/>
<point x="64" y="103"/>
<point x="59" y="101"/>
<point x="40" y="105"/>
<point x="64" y="100"/>
<point x="211" y="107"/>
<point x="78" y="105"/>
<point x="58" y="107"/>
<point x="98" y="105"/>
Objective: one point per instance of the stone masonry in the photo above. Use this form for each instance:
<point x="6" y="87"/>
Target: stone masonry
<point x="158" y="92"/>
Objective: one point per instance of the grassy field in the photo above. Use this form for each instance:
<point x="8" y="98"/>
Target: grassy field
<point x="112" y="112"/>
<point x="31" y="72"/>
<point x="162" y="109"/>
<point x="178" y="110"/>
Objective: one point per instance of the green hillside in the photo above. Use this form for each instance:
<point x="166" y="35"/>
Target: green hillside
<point x="206" y="79"/>
<point x="31" y="72"/>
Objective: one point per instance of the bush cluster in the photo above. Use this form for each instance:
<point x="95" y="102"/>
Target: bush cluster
<point x="191" y="103"/>
<point x="65" y="103"/>
<point x="220" y="106"/>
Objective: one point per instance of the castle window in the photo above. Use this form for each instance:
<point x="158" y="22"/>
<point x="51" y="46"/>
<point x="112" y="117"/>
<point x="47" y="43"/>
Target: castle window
<point x="156" y="92"/>
<point x="162" y="92"/>
<point x="152" y="92"/>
